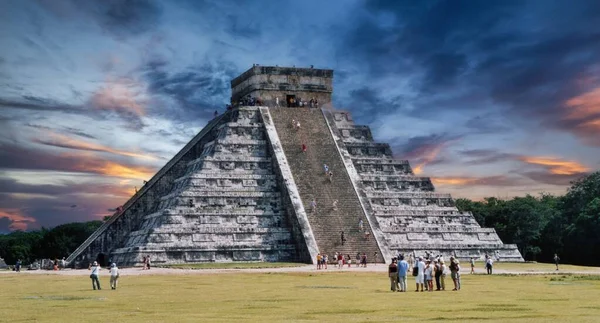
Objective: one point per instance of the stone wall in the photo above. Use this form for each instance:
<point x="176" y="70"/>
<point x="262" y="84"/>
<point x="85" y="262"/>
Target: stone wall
<point x="267" y="83"/>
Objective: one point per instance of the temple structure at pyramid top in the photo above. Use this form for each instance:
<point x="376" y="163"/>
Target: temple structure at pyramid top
<point x="290" y="86"/>
<point x="283" y="176"/>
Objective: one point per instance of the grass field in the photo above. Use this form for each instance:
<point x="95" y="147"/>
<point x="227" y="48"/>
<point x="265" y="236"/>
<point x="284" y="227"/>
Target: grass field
<point x="294" y="297"/>
<point x="235" y="265"/>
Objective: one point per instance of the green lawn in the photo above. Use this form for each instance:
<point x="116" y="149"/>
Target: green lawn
<point x="234" y="265"/>
<point x="292" y="297"/>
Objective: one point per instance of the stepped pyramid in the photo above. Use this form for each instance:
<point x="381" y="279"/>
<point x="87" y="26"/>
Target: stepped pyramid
<point x="243" y="188"/>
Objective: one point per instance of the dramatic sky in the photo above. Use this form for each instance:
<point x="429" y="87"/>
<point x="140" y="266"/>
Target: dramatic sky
<point x="489" y="98"/>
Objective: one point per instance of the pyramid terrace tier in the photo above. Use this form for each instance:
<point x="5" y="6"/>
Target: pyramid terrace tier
<point x="381" y="166"/>
<point x="443" y="228"/>
<point x="133" y="256"/>
<point x="505" y="252"/>
<point x="369" y="149"/>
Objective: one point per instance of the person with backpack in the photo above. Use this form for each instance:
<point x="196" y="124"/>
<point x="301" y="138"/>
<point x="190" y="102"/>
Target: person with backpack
<point x="393" y="274"/>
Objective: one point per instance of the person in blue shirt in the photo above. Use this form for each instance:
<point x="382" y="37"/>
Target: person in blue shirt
<point x="402" y="271"/>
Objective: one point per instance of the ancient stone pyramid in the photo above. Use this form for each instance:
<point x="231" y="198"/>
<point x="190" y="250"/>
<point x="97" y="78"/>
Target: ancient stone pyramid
<point x="245" y="189"/>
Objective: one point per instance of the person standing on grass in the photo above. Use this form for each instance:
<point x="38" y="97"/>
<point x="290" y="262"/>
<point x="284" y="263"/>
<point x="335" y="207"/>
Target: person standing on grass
<point x="556" y="260"/>
<point x="94" y="275"/>
<point x="358" y="259"/>
<point x="420" y="278"/>
<point x="148" y="261"/>
<point x="489" y="264"/>
<point x="114" y="276"/>
<point x="438" y="274"/>
<point x="429" y="275"/>
<point x="472" y="265"/>
<point x="319" y="260"/>
<point x="443" y="276"/>
<point x="454" y="273"/>
<point x="393" y="275"/>
<point x="402" y="272"/>
<point x="349" y="260"/>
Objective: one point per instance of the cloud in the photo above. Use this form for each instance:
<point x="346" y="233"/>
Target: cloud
<point x="555" y="171"/>
<point x="17" y="157"/>
<point x="425" y="150"/>
<point x="18" y="221"/>
<point x="66" y="188"/>
<point x="476" y="181"/>
<point x="582" y="116"/>
<point x="117" y="96"/>
<point x="58" y="140"/>
<point x="557" y="166"/>
<point x="121" y="18"/>
<point x="197" y="91"/>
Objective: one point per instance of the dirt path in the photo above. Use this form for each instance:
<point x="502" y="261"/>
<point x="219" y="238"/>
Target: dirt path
<point x="381" y="268"/>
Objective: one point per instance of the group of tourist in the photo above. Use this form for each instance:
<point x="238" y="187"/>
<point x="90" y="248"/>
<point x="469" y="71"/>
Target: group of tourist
<point x="342" y="260"/>
<point x="292" y="102"/>
<point x="95" y="275"/>
<point x="426" y="271"/>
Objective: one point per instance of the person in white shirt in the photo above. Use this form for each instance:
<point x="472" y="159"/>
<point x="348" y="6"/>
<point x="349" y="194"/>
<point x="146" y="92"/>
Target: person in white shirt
<point x="489" y="264"/>
<point x="94" y="275"/>
<point x="420" y="278"/>
<point x="114" y="276"/>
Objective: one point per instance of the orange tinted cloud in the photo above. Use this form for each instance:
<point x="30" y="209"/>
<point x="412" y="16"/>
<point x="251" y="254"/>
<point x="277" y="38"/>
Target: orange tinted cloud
<point x="585" y="105"/>
<point x="582" y="115"/>
<point x="58" y="140"/>
<point x="453" y="180"/>
<point x="118" y="97"/>
<point x="427" y="158"/>
<point x="556" y="166"/>
<point x="475" y="181"/>
<point x="109" y="168"/>
<point x="18" y="221"/>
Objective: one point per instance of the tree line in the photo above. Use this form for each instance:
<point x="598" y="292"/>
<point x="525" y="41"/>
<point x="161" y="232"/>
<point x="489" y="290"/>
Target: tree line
<point x="568" y="225"/>
<point x="53" y="243"/>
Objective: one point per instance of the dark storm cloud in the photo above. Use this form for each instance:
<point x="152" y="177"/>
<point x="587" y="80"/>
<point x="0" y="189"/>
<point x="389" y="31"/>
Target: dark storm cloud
<point x="370" y="98"/>
<point x="121" y="18"/>
<point x="66" y="130"/>
<point x="11" y="186"/>
<point x="98" y="107"/>
<point x="197" y="91"/>
<point x="528" y="64"/>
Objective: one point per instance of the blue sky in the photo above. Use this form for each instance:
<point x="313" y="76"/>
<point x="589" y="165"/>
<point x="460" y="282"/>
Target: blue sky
<point x="489" y="98"/>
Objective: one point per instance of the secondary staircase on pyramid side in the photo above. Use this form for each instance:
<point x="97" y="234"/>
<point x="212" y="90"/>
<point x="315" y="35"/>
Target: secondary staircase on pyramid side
<point x="312" y="182"/>
<point x="412" y="217"/>
<point x="225" y="204"/>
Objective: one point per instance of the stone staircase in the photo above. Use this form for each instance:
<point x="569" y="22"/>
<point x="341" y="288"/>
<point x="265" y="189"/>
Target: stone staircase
<point x="312" y="182"/>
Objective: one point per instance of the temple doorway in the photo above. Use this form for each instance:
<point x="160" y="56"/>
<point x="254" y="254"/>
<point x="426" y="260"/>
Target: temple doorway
<point x="102" y="260"/>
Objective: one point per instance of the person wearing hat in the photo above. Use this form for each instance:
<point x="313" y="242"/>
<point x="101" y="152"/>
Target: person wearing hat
<point x="454" y="273"/>
<point x="114" y="276"/>
<point x="94" y="275"/>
